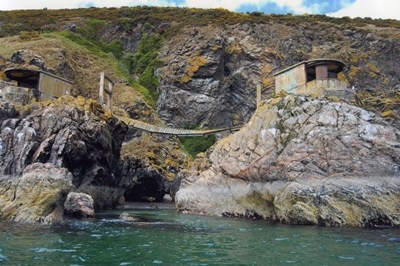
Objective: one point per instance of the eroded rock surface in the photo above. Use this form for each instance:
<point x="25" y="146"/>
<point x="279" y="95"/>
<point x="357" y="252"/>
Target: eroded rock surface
<point x="37" y="196"/>
<point x="71" y="133"/>
<point x="79" y="205"/>
<point x="285" y="163"/>
<point x="141" y="182"/>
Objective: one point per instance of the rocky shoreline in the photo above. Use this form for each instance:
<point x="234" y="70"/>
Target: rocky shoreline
<point x="62" y="158"/>
<point x="302" y="161"/>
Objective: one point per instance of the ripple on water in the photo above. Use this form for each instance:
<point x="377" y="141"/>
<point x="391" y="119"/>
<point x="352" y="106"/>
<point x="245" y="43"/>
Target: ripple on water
<point x="346" y="258"/>
<point x="76" y="257"/>
<point x="51" y="250"/>
<point x="281" y="239"/>
<point x="2" y="257"/>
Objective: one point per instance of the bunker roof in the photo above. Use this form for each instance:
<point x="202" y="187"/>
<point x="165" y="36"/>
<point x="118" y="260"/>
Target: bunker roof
<point x="29" y="75"/>
<point x="334" y="65"/>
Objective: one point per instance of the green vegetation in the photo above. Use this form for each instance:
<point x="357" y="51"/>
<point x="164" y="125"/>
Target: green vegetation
<point x="144" y="62"/>
<point x="88" y="36"/>
<point x="50" y="20"/>
<point x="195" y="145"/>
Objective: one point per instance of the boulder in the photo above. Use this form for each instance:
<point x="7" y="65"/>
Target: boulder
<point x="79" y="205"/>
<point x="303" y="161"/>
<point x="37" y="196"/>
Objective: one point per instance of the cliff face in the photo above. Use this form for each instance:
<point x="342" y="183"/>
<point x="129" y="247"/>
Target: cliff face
<point x="306" y="161"/>
<point x="210" y="74"/>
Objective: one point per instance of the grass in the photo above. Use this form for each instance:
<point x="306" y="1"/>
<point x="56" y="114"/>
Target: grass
<point x="110" y="54"/>
<point x="51" y="20"/>
<point x="195" y="145"/>
<point x="144" y="61"/>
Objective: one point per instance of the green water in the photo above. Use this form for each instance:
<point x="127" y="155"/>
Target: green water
<point x="168" y="238"/>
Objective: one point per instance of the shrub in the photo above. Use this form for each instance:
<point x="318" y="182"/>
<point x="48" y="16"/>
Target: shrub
<point x="195" y="145"/>
<point x="144" y="62"/>
<point x="149" y="80"/>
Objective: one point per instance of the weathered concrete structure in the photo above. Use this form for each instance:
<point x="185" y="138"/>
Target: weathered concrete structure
<point x="13" y="93"/>
<point x="318" y="77"/>
<point x="35" y="84"/>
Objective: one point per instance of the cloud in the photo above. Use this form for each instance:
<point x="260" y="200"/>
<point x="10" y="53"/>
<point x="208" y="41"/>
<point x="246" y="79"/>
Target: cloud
<point x="351" y="8"/>
<point x="370" y="8"/>
<point x="297" y="6"/>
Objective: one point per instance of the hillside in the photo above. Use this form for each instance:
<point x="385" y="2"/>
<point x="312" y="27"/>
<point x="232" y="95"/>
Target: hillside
<point x="199" y="68"/>
<point x="81" y="64"/>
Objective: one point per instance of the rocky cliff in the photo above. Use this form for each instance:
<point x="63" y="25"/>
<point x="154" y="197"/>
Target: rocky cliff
<point x="203" y="66"/>
<point x="303" y="161"/>
<point x="51" y="148"/>
<point x="149" y="156"/>
<point x="211" y="73"/>
<point x="75" y="134"/>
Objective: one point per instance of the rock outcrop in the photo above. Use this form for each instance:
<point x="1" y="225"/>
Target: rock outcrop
<point x="303" y="161"/>
<point x="37" y="196"/>
<point x="207" y="75"/>
<point x="75" y="134"/>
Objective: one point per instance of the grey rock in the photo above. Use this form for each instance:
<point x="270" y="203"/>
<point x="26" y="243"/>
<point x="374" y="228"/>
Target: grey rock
<point x="79" y="205"/>
<point x="37" y="196"/>
<point x="66" y="135"/>
<point x="141" y="183"/>
<point x="283" y="161"/>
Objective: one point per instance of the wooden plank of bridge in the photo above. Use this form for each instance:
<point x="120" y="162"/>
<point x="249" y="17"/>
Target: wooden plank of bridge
<point x="171" y="131"/>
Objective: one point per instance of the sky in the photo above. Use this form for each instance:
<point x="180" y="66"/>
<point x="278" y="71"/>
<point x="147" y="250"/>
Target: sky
<point x="385" y="9"/>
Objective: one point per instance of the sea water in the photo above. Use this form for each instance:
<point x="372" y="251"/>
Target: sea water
<point x="165" y="237"/>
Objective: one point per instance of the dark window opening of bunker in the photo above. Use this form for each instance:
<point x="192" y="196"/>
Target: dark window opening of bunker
<point x="321" y="72"/>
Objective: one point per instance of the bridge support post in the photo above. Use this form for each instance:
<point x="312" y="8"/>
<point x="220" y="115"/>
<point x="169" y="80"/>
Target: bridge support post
<point x="258" y="95"/>
<point x="107" y="90"/>
<point x="101" y="89"/>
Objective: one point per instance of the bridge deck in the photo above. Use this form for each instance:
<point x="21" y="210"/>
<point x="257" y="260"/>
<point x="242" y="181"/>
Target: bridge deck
<point x="172" y="131"/>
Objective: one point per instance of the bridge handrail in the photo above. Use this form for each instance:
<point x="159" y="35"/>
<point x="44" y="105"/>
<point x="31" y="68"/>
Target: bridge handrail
<point x="173" y="131"/>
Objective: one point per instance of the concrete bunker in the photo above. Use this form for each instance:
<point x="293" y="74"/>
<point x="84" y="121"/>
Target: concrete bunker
<point x="317" y="77"/>
<point x="35" y="84"/>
